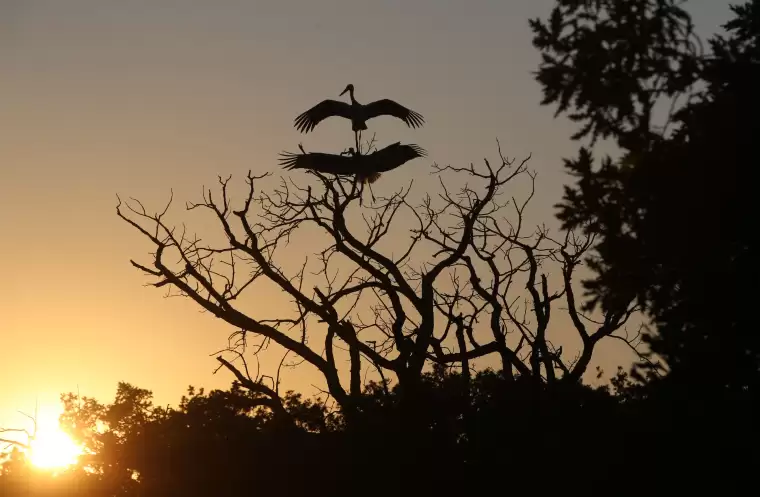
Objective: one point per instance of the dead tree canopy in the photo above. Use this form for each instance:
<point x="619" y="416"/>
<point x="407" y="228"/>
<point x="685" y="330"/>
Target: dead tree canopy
<point x="454" y="278"/>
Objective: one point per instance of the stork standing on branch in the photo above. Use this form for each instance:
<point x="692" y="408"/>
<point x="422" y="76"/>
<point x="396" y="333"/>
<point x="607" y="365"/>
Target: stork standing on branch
<point x="358" y="113"/>
<point x="366" y="168"/>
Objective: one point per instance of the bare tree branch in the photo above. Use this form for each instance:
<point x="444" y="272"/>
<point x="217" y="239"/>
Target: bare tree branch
<point x="388" y="304"/>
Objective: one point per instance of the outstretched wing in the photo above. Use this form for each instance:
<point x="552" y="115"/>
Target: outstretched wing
<point x="326" y="108"/>
<point x="395" y="155"/>
<point x="412" y="151"/>
<point x="319" y="162"/>
<point x="386" y="107"/>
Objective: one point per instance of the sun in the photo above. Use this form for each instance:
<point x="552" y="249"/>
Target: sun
<point x="53" y="449"/>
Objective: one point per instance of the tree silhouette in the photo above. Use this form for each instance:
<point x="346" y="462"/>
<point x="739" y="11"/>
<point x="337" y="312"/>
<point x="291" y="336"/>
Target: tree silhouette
<point x="469" y="281"/>
<point x="448" y="297"/>
<point x="672" y="214"/>
<point x="9" y="436"/>
<point x="215" y="443"/>
<point x="225" y="443"/>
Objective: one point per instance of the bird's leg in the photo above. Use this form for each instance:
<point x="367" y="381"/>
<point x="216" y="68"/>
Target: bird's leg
<point x="356" y="136"/>
<point x="371" y="192"/>
<point x="361" y="192"/>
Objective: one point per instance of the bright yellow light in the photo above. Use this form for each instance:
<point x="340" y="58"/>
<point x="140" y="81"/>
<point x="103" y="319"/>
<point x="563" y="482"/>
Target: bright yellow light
<point x="53" y="449"/>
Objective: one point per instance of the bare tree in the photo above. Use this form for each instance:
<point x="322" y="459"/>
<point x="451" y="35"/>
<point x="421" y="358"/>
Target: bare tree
<point x="469" y="282"/>
<point x="13" y="441"/>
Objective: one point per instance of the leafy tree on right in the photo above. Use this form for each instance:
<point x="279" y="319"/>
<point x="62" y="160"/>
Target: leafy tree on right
<point x="673" y="215"/>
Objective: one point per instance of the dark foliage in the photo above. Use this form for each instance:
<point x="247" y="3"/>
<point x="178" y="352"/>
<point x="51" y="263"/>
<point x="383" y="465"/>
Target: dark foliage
<point x="216" y="444"/>
<point x="674" y="214"/>
<point x="480" y="435"/>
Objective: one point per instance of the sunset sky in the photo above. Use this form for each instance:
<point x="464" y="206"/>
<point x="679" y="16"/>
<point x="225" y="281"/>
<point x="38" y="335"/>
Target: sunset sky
<point x="106" y="97"/>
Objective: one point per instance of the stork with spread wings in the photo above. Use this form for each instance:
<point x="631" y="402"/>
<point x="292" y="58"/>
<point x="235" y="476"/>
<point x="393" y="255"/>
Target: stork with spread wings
<point x="366" y="168"/>
<point x="357" y="113"/>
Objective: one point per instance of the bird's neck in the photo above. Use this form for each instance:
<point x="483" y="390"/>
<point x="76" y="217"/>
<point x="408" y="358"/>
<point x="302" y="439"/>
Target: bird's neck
<point x="351" y="95"/>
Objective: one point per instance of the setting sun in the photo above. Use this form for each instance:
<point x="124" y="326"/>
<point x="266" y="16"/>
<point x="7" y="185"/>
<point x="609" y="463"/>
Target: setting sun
<point x="54" y="449"/>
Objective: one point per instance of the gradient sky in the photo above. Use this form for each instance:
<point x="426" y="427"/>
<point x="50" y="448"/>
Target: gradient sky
<point x="99" y="97"/>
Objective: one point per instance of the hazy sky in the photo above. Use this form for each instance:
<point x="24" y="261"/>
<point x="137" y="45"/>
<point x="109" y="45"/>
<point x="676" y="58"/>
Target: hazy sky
<point x="99" y="97"/>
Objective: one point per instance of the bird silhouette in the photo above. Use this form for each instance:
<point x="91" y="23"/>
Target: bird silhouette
<point x="366" y="168"/>
<point x="358" y="113"/>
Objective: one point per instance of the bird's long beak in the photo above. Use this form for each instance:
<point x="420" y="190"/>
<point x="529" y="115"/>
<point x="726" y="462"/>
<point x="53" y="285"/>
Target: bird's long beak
<point x="344" y="91"/>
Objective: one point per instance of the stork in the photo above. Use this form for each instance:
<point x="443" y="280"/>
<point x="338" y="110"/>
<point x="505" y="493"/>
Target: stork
<point x="366" y="168"/>
<point x="358" y="113"/>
